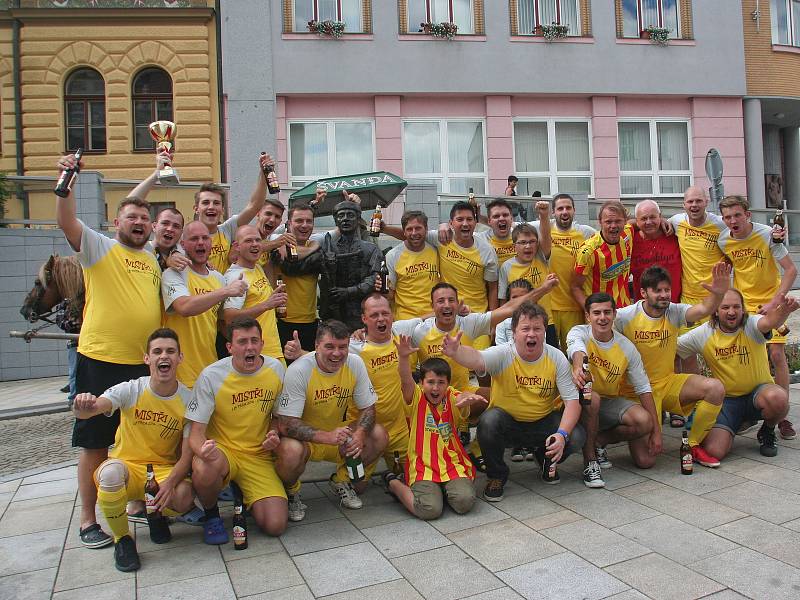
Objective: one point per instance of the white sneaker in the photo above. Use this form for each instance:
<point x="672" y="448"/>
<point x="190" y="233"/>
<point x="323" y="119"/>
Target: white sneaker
<point x="602" y="458"/>
<point x="297" y="510"/>
<point x="592" y="476"/>
<point x="347" y="495"/>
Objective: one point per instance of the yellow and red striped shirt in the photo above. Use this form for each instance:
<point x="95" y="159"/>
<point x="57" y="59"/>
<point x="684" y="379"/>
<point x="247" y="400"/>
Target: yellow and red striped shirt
<point x="435" y="452"/>
<point x="607" y="266"/>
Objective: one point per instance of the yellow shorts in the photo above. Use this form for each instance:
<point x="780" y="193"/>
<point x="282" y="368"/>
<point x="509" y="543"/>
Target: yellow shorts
<point x="398" y="442"/>
<point x="136" y="476"/>
<point x="667" y="394"/>
<point x="255" y="474"/>
<point x="564" y="320"/>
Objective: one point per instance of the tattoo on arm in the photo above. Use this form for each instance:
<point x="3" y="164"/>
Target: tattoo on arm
<point x="366" y="420"/>
<point x="297" y="429"/>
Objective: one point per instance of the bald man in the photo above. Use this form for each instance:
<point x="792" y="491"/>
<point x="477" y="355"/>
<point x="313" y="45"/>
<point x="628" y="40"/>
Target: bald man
<point x="652" y="247"/>
<point x="260" y="300"/>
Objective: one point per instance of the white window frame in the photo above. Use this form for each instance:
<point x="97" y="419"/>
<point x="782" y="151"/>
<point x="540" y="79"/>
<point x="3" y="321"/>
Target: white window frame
<point x="415" y="26"/>
<point x="552" y="158"/>
<point x="539" y="21"/>
<point x="791" y="17"/>
<point x="654" y="171"/>
<point x="330" y="138"/>
<point x="677" y="34"/>
<point x="444" y="158"/>
<point x="338" y="12"/>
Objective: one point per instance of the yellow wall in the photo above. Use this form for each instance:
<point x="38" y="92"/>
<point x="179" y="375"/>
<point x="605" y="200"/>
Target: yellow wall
<point x="769" y="73"/>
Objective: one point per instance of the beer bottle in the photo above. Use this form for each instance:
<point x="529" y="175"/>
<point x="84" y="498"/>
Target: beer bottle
<point x="384" y="278"/>
<point x="778" y="224"/>
<point x="239" y="519"/>
<point x="272" y="178"/>
<point x="586" y="390"/>
<point x="150" y="491"/>
<point x="549" y="468"/>
<point x="280" y="310"/>
<point x="375" y="223"/>
<point x="686" y="454"/>
<point x="68" y="176"/>
<point x="355" y="468"/>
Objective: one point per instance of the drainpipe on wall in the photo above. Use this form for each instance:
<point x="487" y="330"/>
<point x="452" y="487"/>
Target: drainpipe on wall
<point x="17" y="74"/>
<point x="223" y="155"/>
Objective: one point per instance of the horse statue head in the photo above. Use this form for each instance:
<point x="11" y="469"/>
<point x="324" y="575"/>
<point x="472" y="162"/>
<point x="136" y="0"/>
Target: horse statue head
<point x="60" y="278"/>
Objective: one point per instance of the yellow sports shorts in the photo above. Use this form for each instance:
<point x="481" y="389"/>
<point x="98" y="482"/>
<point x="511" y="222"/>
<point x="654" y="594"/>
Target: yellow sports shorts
<point x="564" y="320"/>
<point x="255" y="474"/>
<point x="137" y="476"/>
<point x="667" y="394"/>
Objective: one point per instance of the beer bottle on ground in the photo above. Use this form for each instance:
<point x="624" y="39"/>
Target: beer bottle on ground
<point x="239" y="519"/>
<point x="280" y="310"/>
<point x="272" y="178"/>
<point x="68" y="176"/>
<point x="156" y="522"/>
<point x="375" y="223"/>
<point x="355" y="468"/>
<point x="586" y="390"/>
<point x="687" y="466"/>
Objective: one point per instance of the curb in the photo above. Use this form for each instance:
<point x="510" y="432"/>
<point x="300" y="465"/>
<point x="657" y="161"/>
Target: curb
<point x="32" y="411"/>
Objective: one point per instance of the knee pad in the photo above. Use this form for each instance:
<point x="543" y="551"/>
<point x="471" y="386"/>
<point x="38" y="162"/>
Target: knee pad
<point x="112" y="475"/>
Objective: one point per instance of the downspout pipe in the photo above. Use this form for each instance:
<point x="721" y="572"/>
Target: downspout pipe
<point x="223" y="151"/>
<point x="16" y="28"/>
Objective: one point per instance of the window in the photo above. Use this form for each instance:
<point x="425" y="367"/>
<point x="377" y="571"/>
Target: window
<point x="327" y="148"/>
<point x="152" y="101"/>
<point x="349" y="11"/>
<point x="654" y="158"/>
<point x="785" y="16"/>
<point x="552" y="157"/>
<point x="85" y="109"/>
<point x="449" y="154"/>
<point x="531" y="13"/>
<point x="460" y="12"/>
<point x="638" y="15"/>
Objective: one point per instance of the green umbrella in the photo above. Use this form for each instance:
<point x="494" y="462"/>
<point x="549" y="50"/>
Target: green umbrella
<point x="380" y="187"/>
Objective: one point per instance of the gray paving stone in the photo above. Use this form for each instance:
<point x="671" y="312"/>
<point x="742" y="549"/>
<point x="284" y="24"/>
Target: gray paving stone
<point x="378" y="514"/>
<point x="503" y="593"/>
<point x="667" y="470"/>
<point x="320" y="536"/>
<point x="660" y="578"/>
<point x="569" y="485"/>
<point x="784" y="479"/>
<point x="788" y="458"/>
<point x="399" y="589"/>
<point x="296" y="592"/>
<point x="552" y="520"/>
<point x="54" y="475"/>
<point x="617" y="478"/>
<point x="117" y="590"/>
<point x="5" y="500"/>
<point x="604" y="507"/>
<point x="504" y="544"/>
<point x="752" y="574"/>
<point x="166" y="566"/>
<point x="209" y="587"/>
<point x="481" y="513"/>
<point x="527" y="505"/>
<point x="319" y="509"/>
<point x="765" y="502"/>
<point x="9" y="486"/>
<point x="47" y="488"/>
<point x="703" y="514"/>
<point x="675" y="539"/>
<point x="30" y="552"/>
<point x="766" y="538"/>
<point x="182" y="535"/>
<point x="446" y="574"/>
<point x="595" y="543"/>
<point x="631" y="595"/>
<point x="793" y="525"/>
<point x="561" y="576"/>
<point x="258" y="544"/>
<point x="405" y="537"/>
<point x="20" y="518"/>
<point x="35" y="585"/>
<point x="263" y="574"/>
<point x="82" y="567"/>
<point x="343" y="569"/>
<point x="726" y="595"/>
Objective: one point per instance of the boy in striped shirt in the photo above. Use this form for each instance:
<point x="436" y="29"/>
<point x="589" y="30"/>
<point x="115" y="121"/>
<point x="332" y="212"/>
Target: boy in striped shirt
<point x="437" y="463"/>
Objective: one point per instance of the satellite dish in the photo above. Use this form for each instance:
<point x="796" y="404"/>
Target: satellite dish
<point x="714" y="166"/>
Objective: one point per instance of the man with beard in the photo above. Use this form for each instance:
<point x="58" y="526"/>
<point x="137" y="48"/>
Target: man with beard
<point x="652" y="324"/>
<point x="122" y="279"/>
<point x="733" y="346"/>
<point x="192" y="298"/>
<point x="651" y="246"/>
<point x="413" y="268"/>
<point x="233" y="435"/>
<point x="260" y="300"/>
<point x="150" y="433"/>
<point x="757" y="263"/>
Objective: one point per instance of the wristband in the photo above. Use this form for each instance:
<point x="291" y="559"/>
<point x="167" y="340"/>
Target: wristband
<point x="564" y="434"/>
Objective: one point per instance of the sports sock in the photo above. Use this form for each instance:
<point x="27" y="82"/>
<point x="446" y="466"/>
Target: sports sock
<point x="113" y="506"/>
<point x="705" y="415"/>
<point x="294" y="488"/>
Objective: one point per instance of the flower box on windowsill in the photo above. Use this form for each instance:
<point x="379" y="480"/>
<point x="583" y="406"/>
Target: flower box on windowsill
<point x="330" y="28"/>
<point x="553" y="31"/>
<point x="656" y="35"/>
<point x="440" y="30"/>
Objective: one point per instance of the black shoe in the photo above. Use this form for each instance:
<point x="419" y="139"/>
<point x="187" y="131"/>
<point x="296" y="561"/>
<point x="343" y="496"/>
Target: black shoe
<point x="94" y="537"/>
<point x="493" y="492"/>
<point x="159" y="530"/>
<point x="766" y="437"/>
<point x="479" y="463"/>
<point x="517" y="454"/>
<point x="65" y="389"/>
<point x="126" y="558"/>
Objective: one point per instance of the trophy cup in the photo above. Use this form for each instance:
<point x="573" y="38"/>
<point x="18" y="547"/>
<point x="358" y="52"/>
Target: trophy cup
<point x="163" y="132"/>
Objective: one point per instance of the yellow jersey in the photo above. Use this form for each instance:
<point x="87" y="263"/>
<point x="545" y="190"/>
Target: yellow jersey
<point x="739" y="360"/>
<point x="699" y="253"/>
<point x="412" y="275"/>
<point x="607" y="266"/>
<point x="534" y="272"/>
<point x="528" y="391"/>
<point x="150" y="426"/>
<point x="301" y="304"/>
<point x="197" y="334"/>
<point x="563" y="254"/>
<point x="221" y="241"/>
<point x="504" y="248"/>
<point x="755" y="264"/>
<point x="322" y="399"/>
<point x="123" y="286"/>
<point x="609" y="361"/>
<point x="237" y="407"/>
<point x="435" y="452"/>
<point x="259" y="290"/>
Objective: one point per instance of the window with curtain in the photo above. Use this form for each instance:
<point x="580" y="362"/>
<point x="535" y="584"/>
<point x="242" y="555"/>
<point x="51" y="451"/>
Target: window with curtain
<point x="152" y="101"/>
<point x="85" y="110"/>
<point x="654" y="158"/>
<point x="449" y="154"/>
<point x="785" y="18"/>
<point x="328" y="148"/>
<point x="552" y="157"/>
<point x="348" y="11"/>
<point x="531" y="13"/>
<point x="460" y="12"/>
<point x="638" y="15"/>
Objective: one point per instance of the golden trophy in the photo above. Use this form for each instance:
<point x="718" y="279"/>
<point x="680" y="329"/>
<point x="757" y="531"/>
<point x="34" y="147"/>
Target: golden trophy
<point x="163" y="132"/>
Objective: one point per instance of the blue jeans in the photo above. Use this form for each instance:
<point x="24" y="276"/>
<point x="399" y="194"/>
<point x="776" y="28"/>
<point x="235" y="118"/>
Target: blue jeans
<point x="72" y="358"/>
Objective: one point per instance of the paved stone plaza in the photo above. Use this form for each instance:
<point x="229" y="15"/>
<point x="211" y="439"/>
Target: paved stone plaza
<point x="722" y="534"/>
